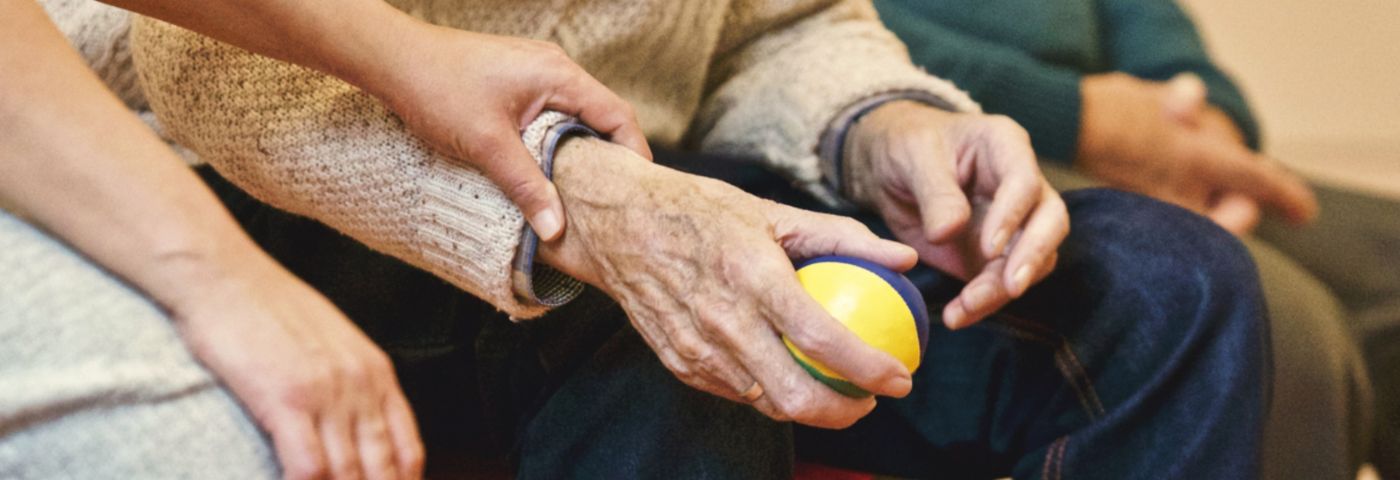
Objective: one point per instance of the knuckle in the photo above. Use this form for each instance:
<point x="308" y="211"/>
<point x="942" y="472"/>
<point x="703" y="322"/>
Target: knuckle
<point x="519" y="188"/>
<point x="1005" y="125"/>
<point x="813" y="344"/>
<point x="345" y="467"/>
<point x="796" y="405"/>
<point x="413" y="457"/>
<point x="302" y="391"/>
<point x="692" y="350"/>
<point x="306" y="471"/>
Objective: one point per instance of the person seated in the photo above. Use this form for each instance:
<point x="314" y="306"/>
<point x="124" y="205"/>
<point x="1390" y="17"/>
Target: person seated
<point x="1124" y="93"/>
<point x="671" y="363"/>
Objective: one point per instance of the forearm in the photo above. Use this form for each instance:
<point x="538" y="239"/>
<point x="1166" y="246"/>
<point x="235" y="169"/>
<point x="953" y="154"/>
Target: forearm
<point x="359" y="41"/>
<point x="79" y="164"/>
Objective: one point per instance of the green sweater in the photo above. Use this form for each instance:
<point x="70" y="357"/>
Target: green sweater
<point x="1024" y="58"/>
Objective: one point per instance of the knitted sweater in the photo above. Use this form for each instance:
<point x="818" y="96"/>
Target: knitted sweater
<point x="761" y="78"/>
<point x="1024" y="58"/>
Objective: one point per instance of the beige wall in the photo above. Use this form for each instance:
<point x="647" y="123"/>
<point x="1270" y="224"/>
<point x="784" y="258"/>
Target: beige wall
<point x="1324" y="77"/>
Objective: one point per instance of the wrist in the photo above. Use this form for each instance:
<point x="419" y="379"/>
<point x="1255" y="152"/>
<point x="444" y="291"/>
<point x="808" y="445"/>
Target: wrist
<point x="880" y="135"/>
<point x="1093" y="138"/>
<point x="184" y="277"/>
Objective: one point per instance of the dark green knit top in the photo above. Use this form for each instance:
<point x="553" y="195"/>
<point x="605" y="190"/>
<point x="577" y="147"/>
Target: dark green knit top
<point x="1024" y="58"/>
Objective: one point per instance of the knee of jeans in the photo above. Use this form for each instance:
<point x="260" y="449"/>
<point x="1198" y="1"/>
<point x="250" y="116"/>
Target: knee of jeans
<point x="1188" y="321"/>
<point x="1154" y="239"/>
<point x="1166" y="262"/>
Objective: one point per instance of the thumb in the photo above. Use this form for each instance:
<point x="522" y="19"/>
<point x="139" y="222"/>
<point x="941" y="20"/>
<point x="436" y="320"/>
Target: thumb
<point x="1184" y="98"/>
<point x="502" y="157"/>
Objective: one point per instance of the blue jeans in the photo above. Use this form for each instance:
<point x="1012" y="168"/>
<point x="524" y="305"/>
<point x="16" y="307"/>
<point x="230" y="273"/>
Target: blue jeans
<point x="1143" y="356"/>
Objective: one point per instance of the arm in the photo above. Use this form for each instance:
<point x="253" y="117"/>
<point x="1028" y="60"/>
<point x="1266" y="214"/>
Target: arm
<point x="1155" y="40"/>
<point x="319" y="146"/>
<point x="429" y="77"/>
<point x="81" y="166"/>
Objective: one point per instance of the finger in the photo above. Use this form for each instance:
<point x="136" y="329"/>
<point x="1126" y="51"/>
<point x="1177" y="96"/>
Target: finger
<point x="500" y="155"/>
<point x="983" y="295"/>
<point x="602" y="110"/>
<point x="1184" y="98"/>
<point x="1046" y="229"/>
<point x="342" y="456"/>
<point x="374" y="447"/>
<point x="808" y="235"/>
<point x="943" y="205"/>
<point x="790" y="392"/>
<point x="298" y="446"/>
<point x="1238" y="170"/>
<point x="403" y="429"/>
<point x="1016" y="197"/>
<point x="1018" y="189"/>
<point x="804" y="322"/>
<point x="1236" y="213"/>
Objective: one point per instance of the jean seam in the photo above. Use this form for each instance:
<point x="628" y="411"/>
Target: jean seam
<point x="1066" y="361"/>
<point x="1054" y="457"/>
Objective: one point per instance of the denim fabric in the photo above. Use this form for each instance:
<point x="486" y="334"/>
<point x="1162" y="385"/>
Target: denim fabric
<point x="1143" y="356"/>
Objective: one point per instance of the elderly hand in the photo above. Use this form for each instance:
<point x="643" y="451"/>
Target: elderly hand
<point x="1164" y="141"/>
<point x="327" y="396"/>
<point x="704" y="273"/>
<point x="470" y="94"/>
<point x="964" y="191"/>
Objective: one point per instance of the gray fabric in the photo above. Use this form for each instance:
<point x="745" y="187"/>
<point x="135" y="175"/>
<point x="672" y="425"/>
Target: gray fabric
<point x="95" y="383"/>
<point x="1320" y="419"/>
<point x="1354" y="247"/>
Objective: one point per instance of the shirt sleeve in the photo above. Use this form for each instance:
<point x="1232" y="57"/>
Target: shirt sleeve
<point x="1155" y="40"/>
<point x="785" y="71"/>
<point x="313" y="145"/>
<point x="1042" y="97"/>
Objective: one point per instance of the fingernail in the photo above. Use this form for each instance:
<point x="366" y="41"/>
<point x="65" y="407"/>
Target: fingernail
<point x="900" y="386"/>
<point x="546" y="224"/>
<point x="998" y="242"/>
<point x="1022" y="279"/>
<point x="953" y="317"/>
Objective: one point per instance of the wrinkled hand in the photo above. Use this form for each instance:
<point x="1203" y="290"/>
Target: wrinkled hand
<point x="704" y="273"/>
<point x="1163" y="140"/>
<point x="964" y="191"/>
<point x="469" y="95"/>
<point x="327" y="395"/>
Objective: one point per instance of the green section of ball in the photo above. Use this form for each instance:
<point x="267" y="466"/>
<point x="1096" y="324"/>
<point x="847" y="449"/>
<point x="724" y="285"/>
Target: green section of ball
<point x="841" y="386"/>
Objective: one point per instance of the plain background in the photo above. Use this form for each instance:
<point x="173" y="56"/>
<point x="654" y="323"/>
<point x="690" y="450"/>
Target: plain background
<point x="1324" y="76"/>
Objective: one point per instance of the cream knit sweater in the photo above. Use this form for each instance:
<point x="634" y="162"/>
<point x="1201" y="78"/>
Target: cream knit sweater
<point x="760" y="78"/>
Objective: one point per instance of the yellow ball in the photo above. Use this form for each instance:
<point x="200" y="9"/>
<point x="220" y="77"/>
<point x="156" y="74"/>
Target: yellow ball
<point x="880" y="305"/>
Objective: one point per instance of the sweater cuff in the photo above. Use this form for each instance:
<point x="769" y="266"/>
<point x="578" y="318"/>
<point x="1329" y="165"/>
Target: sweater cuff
<point x="538" y="283"/>
<point x="1048" y="104"/>
<point x="832" y="148"/>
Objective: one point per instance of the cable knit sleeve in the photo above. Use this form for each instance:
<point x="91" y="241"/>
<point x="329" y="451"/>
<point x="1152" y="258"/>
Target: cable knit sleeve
<point x="789" y="73"/>
<point x="316" y="146"/>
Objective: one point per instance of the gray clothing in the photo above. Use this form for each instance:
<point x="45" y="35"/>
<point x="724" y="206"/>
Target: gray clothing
<point x="95" y="383"/>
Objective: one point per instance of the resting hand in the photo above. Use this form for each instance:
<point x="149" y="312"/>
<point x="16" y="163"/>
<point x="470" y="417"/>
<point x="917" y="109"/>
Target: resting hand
<point x="326" y="394"/>
<point x="470" y="94"/>
<point x="704" y="273"/>
<point x="964" y="191"/>
<point x="1164" y="141"/>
